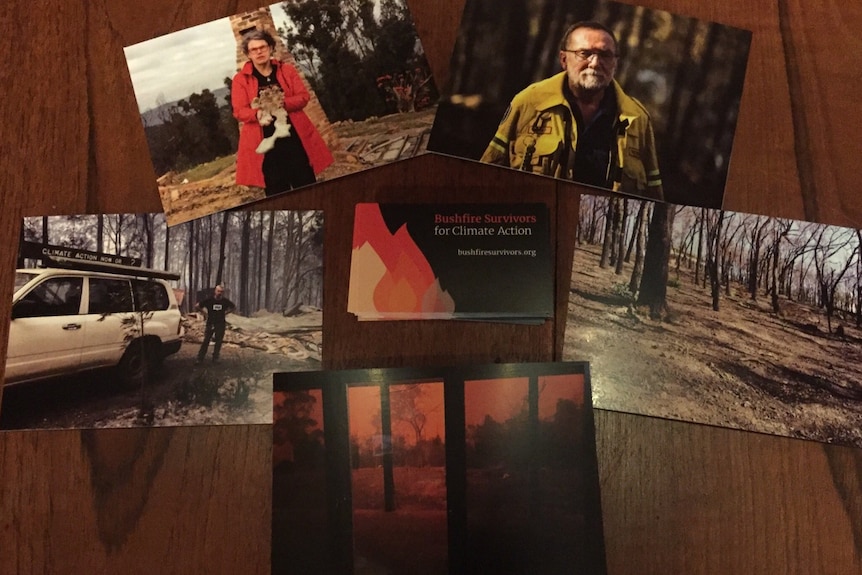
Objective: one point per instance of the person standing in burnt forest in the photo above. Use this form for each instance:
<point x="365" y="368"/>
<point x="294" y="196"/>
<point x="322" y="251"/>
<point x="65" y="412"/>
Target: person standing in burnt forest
<point x="216" y="308"/>
<point x="279" y="147"/>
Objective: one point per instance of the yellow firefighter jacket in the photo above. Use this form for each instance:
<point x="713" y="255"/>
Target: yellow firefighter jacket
<point x="532" y="137"/>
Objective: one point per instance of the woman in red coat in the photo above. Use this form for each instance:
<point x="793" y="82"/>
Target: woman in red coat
<point x="278" y="150"/>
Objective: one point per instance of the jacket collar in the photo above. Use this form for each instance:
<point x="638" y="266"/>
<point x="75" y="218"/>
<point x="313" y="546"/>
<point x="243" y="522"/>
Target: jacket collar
<point x="630" y="108"/>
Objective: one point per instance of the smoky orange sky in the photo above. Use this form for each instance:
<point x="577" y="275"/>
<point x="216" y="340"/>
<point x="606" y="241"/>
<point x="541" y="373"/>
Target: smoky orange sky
<point x="499" y="398"/>
<point x="363" y="404"/>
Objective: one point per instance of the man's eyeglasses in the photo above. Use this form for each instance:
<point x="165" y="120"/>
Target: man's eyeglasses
<point x="258" y="49"/>
<point x="604" y="56"/>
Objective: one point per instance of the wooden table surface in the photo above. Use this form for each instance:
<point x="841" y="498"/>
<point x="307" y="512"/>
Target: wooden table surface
<point x="677" y="498"/>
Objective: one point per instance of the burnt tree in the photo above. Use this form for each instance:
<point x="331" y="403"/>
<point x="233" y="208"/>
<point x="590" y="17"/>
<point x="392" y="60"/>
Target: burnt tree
<point x="640" y="248"/>
<point x="712" y="256"/>
<point x="653" y="286"/>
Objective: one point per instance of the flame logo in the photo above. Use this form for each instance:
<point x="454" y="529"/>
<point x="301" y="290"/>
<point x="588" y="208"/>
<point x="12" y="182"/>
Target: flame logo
<point x="389" y="274"/>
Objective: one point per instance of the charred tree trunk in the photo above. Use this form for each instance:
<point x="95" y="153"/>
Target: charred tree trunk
<point x="620" y="237"/>
<point x="607" y="244"/>
<point x="19" y="262"/>
<point x="714" y="279"/>
<point x="788" y="281"/>
<point x="192" y="267"/>
<point x="118" y="234"/>
<point x="859" y="297"/>
<point x="683" y="251"/>
<point x="100" y="233"/>
<point x="725" y="274"/>
<point x="208" y="252"/>
<point x="653" y="288"/>
<point x="297" y="273"/>
<point x="149" y="233"/>
<point x="167" y="248"/>
<point x="640" y="245"/>
<point x="754" y="261"/>
<point x="259" y="274"/>
<point x="858" y="315"/>
<point x="221" y="248"/>
<point x="774" y="279"/>
<point x="388" y="464"/>
<point x="633" y="239"/>
<point x="245" y="242"/>
<point x="594" y="221"/>
<point x="699" y="260"/>
<point x="827" y="302"/>
<point x="268" y="303"/>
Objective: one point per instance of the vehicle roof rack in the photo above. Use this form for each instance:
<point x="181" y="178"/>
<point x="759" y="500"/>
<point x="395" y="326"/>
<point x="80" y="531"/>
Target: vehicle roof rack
<point x="75" y="264"/>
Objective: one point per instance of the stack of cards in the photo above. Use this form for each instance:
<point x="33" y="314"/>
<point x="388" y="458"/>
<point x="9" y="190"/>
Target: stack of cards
<point x="454" y="261"/>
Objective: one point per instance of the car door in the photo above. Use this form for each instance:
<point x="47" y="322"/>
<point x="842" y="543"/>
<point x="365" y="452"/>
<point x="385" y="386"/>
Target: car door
<point x="45" y="334"/>
<point x="110" y="322"/>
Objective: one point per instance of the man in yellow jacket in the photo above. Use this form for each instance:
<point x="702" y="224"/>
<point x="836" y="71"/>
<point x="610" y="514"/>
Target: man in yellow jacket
<point x="579" y="124"/>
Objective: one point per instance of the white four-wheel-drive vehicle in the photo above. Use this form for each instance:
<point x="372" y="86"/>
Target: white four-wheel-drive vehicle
<point x="87" y="316"/>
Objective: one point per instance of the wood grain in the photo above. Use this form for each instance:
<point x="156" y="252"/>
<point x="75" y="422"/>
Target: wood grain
<point x="184" y="500"/>
<point x="684" y="498"/>
<point x="677" y="498"/>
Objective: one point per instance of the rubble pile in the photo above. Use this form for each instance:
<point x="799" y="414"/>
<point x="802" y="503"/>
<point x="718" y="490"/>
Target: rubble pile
<point x="298" y="336"/>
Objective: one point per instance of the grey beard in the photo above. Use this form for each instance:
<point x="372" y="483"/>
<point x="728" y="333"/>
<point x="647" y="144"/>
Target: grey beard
<point x="593" y="83"/>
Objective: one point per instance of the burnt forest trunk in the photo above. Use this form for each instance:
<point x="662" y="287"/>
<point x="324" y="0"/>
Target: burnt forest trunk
<point x="714" y="279"/>
<point x="640" y="245"/>
<point x="653" y="288"/>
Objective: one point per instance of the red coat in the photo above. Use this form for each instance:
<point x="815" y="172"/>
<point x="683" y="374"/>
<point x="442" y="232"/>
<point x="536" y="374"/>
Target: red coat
<point x="249" y="164"/>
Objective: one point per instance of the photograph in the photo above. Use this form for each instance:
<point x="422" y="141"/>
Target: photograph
<point x="278" y="98"/>
<point x="451" y="261"/>
<point x="614" y="96"/>
<point x="121" y="321"/>
<point x="472" y="470"/>
<point x="722" y="318"/>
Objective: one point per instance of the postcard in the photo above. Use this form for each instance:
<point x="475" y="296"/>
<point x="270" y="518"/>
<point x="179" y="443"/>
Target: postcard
<point x="274" y="99"/>
<point x="719" y="317"/>
<point x="119" y="320"/>
<point x="451" y="261"/>
<point x="473" y="470"/>
<point x="610" y="95"/>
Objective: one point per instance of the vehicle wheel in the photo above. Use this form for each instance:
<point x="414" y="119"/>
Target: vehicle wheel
<point x="138" y="363"/>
